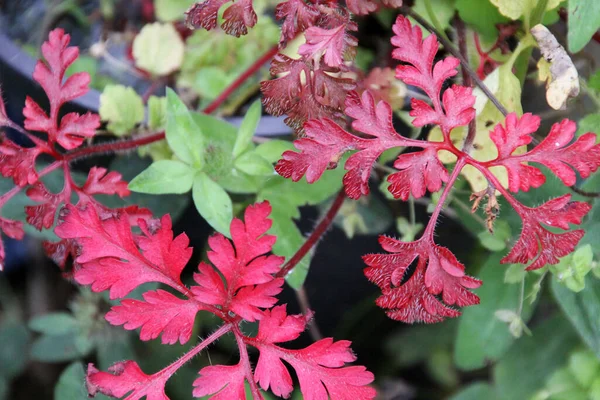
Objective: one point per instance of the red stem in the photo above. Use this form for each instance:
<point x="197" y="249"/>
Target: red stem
<point x="113" y="147"/>
<point x="315" y="235"/>
<point x="467" y="81"/>
<point x="241" y="79"/>
<point x="245" y="360"/>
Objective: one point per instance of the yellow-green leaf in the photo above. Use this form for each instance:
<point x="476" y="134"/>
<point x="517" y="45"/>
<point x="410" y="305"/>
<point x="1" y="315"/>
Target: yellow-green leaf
<point x="158" y="49"/>
<point x="122" y="108"/>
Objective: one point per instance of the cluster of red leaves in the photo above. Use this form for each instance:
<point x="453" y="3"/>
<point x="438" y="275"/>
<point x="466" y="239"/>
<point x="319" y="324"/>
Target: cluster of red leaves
<point x="63" y="134"/>
<point x="429" y="291"/>
<point x="240" y="285"/>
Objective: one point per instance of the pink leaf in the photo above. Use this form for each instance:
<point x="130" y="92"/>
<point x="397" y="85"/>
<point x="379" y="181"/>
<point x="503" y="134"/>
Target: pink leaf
<point x="123" y="378"/>
<point x="42" y="215"/>
<point x="418" y="171"/>
<point x="223" y="381"/>
<point x="74" y="128"/>
<point x="100" y="181"/>
<point x="238" y="18"/>
<point x="297" y="16"/>
<point x="331" y="44"/>
<point x="18" y="162"/>
<point x="411" y="296"/>
<point x="248" y="272"/>
<point x="555" y="152"/>
<point x="161" y="313"/>
<point x="320" y="367"/>
<point x="110" y="258"/>
<point x="325" y="142"/>
<point x="538" y="244"/>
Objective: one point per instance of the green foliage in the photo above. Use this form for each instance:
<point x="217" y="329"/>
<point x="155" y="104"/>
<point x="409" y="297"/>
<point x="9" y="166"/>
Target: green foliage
<point x="482" y="336"/>
<point x="158" y="49"/>
<point x="582" y="309"/>
<point x="573" y="268"/>
<point x="171" y="10"/>
<point x="579" y="379"/>
<point x="15" y="339"/>
<point x="164" y="176"/>
<point x="584" y="21"/>
<point x="212" y="202"/>
<point x="481" y="15"/>
<point x="122" y="108"/>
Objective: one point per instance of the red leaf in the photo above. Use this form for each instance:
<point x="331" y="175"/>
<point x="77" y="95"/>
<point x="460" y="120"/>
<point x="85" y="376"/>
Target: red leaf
<point x="297" y="16"/>
<point x="18" y="163"/>
<point x="248" y="272"/>
<point x="362" y="7"/>
<point x="60" y="251"/>
<point x="538" y="244"/>
<point x="424" y="295"/>
<point x="110" y="258"/>
<point x="303" y="93"/>
<point x="74" y="128"/>
<point x="418" y="171"/>
<point x="325" y="142"/>
<point x="225" y="382"/>
<point x="126" y="377"/>
<point x="331" y="44"/>
<point x="554" y="152"/>
<point x="100" y="181"/>
<point x="160" y="313"/>
<point x="320" y="367"/>
<point x="50" y="74"/>
<point x="42" y="215"/>
<point x="238" y="18"/>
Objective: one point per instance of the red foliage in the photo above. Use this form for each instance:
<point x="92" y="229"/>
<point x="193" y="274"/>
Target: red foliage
<point x="424" y="293"/>
<point x="239" y="286"/>
<point x="237" y="18"/>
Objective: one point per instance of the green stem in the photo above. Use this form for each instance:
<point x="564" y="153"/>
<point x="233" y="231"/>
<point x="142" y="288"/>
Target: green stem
<point x="434" y="19"/>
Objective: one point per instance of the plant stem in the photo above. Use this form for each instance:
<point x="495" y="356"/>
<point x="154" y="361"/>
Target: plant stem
<point x="171" y="369"/>
<point x="113" y="147"/>
<point x="241" y="79"/>
<point x="245" y="360"/>
<point x="434" y="19"/>
<point x="313" y="328"/>
<point x="315" y="235"/>
<point x="448" y="46"/>
<point x="467" y="81"/>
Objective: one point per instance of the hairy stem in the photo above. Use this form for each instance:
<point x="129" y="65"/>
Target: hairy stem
<point x="241" y="79"/>
<point x="245" y="360"/>
<point x="448" y="46"/>
<point x="113" y="147"/>
<point x="313" y="328"/>
<point x="315" y="235"/>
<point x="171" y="369"/>
<point x="447" y="188"/>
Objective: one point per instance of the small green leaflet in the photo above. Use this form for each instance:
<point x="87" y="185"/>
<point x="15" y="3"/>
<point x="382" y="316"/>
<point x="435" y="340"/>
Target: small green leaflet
<point x="183" y="134"/>
<point x="253" y="164"/>
<point x="213" y="203"/>
<point x="247" y="128"/>
<point x="122" y="107"/>
<point x="164" y="176"/>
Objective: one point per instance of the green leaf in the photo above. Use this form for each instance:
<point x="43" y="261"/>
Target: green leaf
<point x="582" y="309"/>
<point x="213" y="203"/>
<point x="285" y="197"/>
<point x="273" y="149"/>
<point x="211" y="81"/>
<point x="589" y="123"/>
<point x="584" y="21"/>
<point x="496" y="241"/>
<point x="253" y="164"/>
<point x="71" y="383"/>
<point x="54" y="324"/>
<point x="114" y="347"/>
<point x="183" y="134"/>
<point x="476" y="391"/>
<point x="158" y="49"/>
<point x="171" y="10"/>
<point x="130" y="166"/>
<point x="58" y="348"/>
<point x="122" y="107"/>
<point x="584" y="366"/>
<point x="15" y="339"/>
<point x="515" y="273"/>
<point x="531" y="360"/>
<point x="164" y="176"/>
<point x="481" y="336"/>
<point x="157" y="112"/>
<point x="482" y="16"/>
<point x="247" y="128"/>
